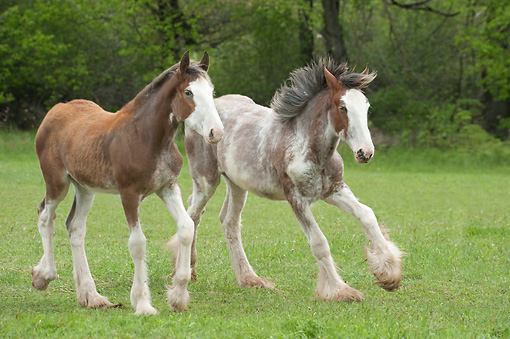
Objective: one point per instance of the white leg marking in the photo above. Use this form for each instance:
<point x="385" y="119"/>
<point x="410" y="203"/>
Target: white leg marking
<point x="140" y="294"/>
<point x="178" y="296"/>
<point x="231" y="224"/>
<point x="383" y="255"/>
<point x="202" y="192"/>
<point x="330" y="285"/>
<point x="46" y="271"/>
<point x="76" y="228"/>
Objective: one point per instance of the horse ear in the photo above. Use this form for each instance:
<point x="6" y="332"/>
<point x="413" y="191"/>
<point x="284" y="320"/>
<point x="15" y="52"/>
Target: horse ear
<point x="204" y="63"/>
<point x="184" y="63"/>
<point x="333" y="83"/>
<point x="365" y="71"/>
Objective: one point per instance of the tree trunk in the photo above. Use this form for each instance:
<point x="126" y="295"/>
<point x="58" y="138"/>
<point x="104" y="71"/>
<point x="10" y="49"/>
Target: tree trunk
<point x="333" y="31"/>
<point x="306" y="34"/>
<point x="174" y="29"/>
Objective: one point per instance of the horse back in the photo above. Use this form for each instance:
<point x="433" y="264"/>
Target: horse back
<point x="72" y="139"/>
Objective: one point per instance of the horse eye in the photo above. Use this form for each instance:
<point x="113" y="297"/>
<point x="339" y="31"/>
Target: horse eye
<point x="343" y="109"/>
<point x="188" y="93"/>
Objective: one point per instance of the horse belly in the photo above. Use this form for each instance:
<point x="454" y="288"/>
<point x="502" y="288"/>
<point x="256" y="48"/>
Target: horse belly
<point x="92" y="180"/>
<point x="263" y="186"/>
<point x="252" y="173"/>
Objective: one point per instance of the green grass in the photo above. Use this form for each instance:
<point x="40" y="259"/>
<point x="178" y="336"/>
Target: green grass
<point x="453" y="223"/>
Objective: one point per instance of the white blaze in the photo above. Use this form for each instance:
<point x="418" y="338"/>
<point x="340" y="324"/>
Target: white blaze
<point x="358" y="136"/>
<point x="204" y="119"/>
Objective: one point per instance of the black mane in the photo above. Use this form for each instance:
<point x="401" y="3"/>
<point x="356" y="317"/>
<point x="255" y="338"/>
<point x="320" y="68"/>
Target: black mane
<point x="306" y="82"/>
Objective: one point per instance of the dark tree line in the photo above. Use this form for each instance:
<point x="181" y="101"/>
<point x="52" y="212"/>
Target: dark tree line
<point x="443" y="66"/>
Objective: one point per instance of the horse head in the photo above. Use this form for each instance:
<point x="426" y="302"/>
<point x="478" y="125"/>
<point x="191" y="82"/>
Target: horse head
<point x="349" y="113"/>
<point x="193" y="102"/>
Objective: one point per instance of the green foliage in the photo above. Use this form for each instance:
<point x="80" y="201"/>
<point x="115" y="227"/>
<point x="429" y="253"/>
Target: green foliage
<point x="44" y="61"/>
<point x="441" y="65"/>
<point x="261" y="51"/>
<point x="488" y="38"/>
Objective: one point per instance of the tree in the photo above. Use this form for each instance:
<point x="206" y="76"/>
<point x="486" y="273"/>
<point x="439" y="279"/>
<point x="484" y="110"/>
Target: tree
<point x="258" y="44"/>
<point x="486" y="44"/>
<point x="333" y="31"/>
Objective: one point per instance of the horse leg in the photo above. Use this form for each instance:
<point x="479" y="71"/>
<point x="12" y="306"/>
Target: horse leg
<point x="203" y="167"/>
<point x="76" y="228"/>
<point x="231" y="224"/>
<point x="383" y="255"/>
<point x="140" y="294"/>
<point x="46" y="271"/>
<point x="178" y="295"/>
<point x="330" y="285"/>
<point x="203" y="190"/>
<point x="224" y="207"/>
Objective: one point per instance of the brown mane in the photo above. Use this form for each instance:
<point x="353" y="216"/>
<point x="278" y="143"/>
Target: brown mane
<point x="194" y="70"/>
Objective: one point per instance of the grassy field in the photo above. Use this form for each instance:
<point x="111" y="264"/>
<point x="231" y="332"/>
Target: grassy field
<point x="452" y="221"/>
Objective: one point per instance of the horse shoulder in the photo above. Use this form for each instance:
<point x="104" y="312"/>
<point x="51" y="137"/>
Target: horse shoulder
<point x="175" y="160"/>
<point x="164" y="170"/>
<point x="333" y="174"/>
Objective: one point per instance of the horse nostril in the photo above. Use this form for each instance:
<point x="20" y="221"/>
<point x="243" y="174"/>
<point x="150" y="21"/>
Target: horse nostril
<point x="211" y="134"/>
<point x="360" y="154"/>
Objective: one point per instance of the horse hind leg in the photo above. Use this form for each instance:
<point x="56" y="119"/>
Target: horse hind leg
<point x="383" y="255"/>
<point x="46" y="271"/>
<point x="231" y="224"/>
<point x="76" y="228"/>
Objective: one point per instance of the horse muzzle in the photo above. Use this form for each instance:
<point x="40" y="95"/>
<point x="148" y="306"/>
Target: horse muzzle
<point x="363" y="156"/>
<point x="214" y="136"/>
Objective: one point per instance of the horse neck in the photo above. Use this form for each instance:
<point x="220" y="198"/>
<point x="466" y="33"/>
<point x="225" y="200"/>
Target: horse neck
<point x="151" y="115"/>
<point x="314" y="126"/>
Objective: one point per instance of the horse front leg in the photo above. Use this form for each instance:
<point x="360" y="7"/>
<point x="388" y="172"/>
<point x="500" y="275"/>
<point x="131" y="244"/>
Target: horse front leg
<point x="178" y="295"/>
<point x="383" y="255"/>
<point x="330" y="285"/>
<point x="140" y="294"/>
<point x="203" y="190"/>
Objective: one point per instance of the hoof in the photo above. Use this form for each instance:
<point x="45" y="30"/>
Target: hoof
<point x="94" y="300"/>
<point x="257" y="282"/>
<point x="178" y="299"/>
<point x="386" y="267"/>
<point x="41" y="280"/>
<point x="145" y="309"/>
<point x="345" y="293"/>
